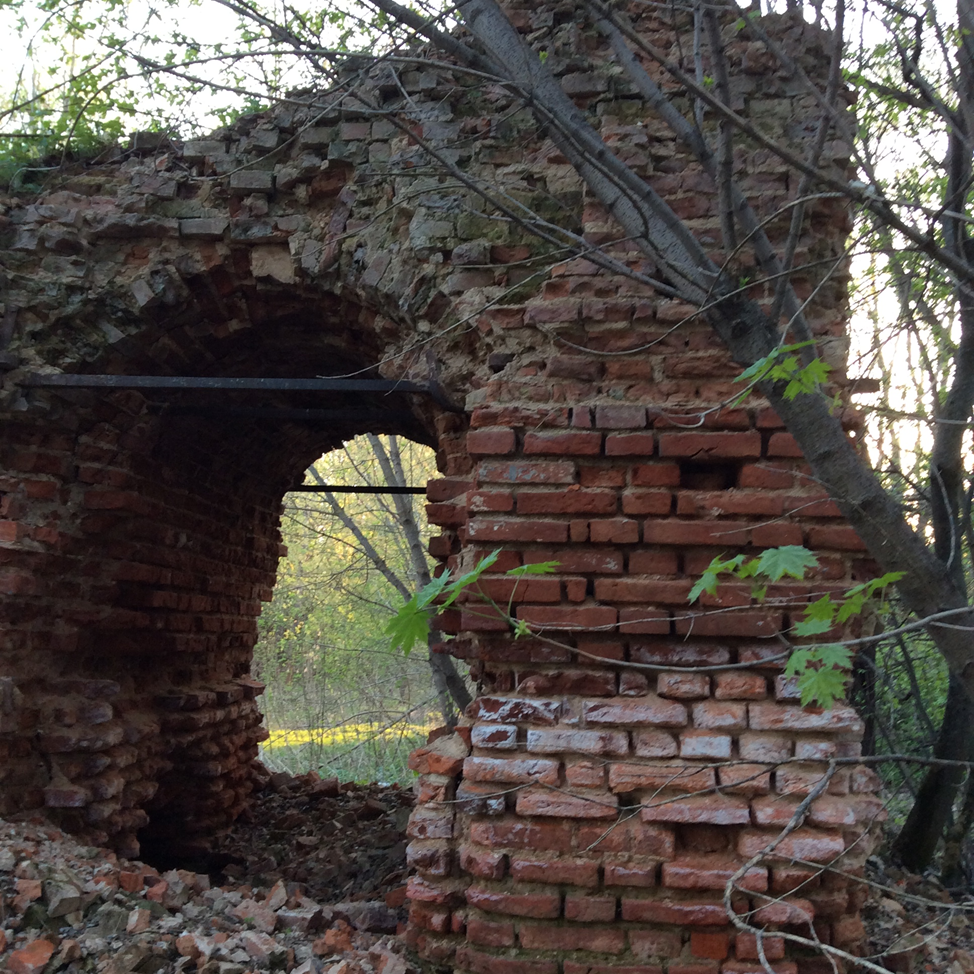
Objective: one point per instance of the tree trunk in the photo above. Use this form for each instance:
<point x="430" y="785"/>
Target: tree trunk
<point x="916" y="844"/>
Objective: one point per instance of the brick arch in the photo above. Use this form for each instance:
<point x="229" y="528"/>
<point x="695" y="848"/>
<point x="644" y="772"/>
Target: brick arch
<point x="585" y="816"/>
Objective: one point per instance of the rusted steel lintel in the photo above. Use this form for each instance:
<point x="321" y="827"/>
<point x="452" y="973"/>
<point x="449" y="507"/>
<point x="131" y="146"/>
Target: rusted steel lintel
<point x="324" y="384"/>
<point x="312" y="489"/>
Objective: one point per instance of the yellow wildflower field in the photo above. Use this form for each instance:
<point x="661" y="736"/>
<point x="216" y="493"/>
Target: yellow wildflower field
<point x="345" y="734"/>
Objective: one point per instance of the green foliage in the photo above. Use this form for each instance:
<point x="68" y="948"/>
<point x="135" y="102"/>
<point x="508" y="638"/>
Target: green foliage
<point x="411" y="623"/>
<point x="821" y="670"/>
<point x="781" y="366"/>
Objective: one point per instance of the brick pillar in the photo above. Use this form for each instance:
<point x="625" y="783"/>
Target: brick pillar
<point x="609" y="780"/>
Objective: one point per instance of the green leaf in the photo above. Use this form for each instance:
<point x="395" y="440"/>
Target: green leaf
<point x="539" y="568"/>
<point x="792" y="560"/>
<point x="821" y="686"/>
<point x="812" y="627"/>
<point x="707" y="582"/>
<point x="521" y="629"/>
<point x="467" y="579"/>
<point x="410" y="625"/>
<point x="429" y="592"/>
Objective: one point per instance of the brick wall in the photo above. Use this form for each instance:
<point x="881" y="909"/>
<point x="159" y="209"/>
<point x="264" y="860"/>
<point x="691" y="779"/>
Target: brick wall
<point x="619" y="766"/>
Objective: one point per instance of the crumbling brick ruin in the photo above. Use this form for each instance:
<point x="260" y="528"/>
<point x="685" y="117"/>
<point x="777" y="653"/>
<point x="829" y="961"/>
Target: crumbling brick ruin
<point x="587" y="815"/>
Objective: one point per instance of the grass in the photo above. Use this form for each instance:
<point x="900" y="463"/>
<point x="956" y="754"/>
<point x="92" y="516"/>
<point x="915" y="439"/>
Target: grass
<point x="351" y="752"/>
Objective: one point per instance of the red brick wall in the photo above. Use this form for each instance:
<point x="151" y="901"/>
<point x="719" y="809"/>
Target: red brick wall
<point x="618" y="766"/>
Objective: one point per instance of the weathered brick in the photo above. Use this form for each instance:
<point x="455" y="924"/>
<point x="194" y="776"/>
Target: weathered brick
<point x="740" y="685"/>
<point x="718" y="715"/>
<point x="630" y="445"/>
<point x="483" y="862"/>
<point x="511" y="770"/>
<point x="744" y="779"/>
<point x="525" y="472"/>
<point x="705" y="446"/>
<point x="654" y="744"/>
<point x="537" y="905"/>
<point x="518" y="834"/>
<point x="614" y="531"/>
<point x="713" y="944"/>
<point x="644" y="711"/>
<point x="562" y="804"/>
<point x="499" y="530"/>
<point x="478" y="962"/>
<point x="590" y="909"/>
<point x="493" y="736"/>
<point x="712" y="872"/>
<point x="620" y="416"/>
<point x="810" y="845"/>
<point x="624" y="777"/>
<point x="575" y="872"/>
<point x="699" y="809"/>
<point x="571" y="501"/>
<point x="605" y="940"/>
<point x="630" y="874"/>
<point x="484" y="933"/>
<point x="491" y="442"/>
<point x="564" y="444"/>
<point x="773" y="716"/>
<point x="683" y="686"/>
<point x="705" y="744"/>
<point x="689" y="913"/>
<point x="578" y="741"/>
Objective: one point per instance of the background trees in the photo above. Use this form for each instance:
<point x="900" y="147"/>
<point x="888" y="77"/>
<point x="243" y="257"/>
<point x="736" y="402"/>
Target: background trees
<point x="907" y="187"/>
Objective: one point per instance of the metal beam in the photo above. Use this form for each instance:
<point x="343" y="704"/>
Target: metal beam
<point x="313" y="489"/>
<point x="323" y="384"/>
<point x="334" y="416"/>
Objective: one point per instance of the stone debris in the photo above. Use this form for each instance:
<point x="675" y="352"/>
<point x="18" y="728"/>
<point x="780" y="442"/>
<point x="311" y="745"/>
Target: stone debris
<point x="71" y="908"/>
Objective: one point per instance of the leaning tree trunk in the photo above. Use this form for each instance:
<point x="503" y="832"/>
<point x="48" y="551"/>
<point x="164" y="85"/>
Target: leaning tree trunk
<point x="916" y="844"/>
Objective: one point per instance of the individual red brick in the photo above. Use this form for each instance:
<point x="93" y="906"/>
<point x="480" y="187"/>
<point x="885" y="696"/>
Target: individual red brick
<point x="527" y="589"/>
<point x="564" y="444"/>
<point x="790" y="911"/>
<point x="690" y="913"/>
<point x="578" y="741"/>
<point x="601" y="476"/>
<point x="498" y="530"/>
<point x="430" y="857"/>
<point x="578" y="530"/>
<point x="614" y="531"/>
<point x="656" y="475"/>
<point x="645" y="711"/>
<point x="490" y="501"/>
<point x="642" y="502"/>
<point x="561" y="617"/>
<point x="630" y="874"/>
<point x="783" y="445"/>
<point x="518" y="834"/>
<point x="525" y="472"/>
<point x="712" y="944"/>
<point x="620" y="416"/>
<point x="712" y="872"/>
<point x="680" y="532"/>
<point x="597" y="561"/>
<point x="683" y="686"/>
<point x="654" y="744"/>
<point x="503" y="737"/>
<point x="31" y="959"/>
<point x="798" y="779"/>
<point x="572" y="501"/>
<point x="810" y="845"/>
<point x="630" y="445"/>
<point x="830" y="812"/>
<point x="643" y="562"/>
<point x="506" y="710"/>
<point x="744" y="779"/>
<point x="720" y="715"/>
<point x="719" y="503"/>
<point x="782" y="967"/>
<point x="656" y="943"/>
<point x="837" y="536"/>
<point x="811" y="749"/>
<point x="511" y="770"/>
<point x="590" y="909"/>
<point x="811" y="505"/>
<point x="605" y="940"/>
<point x="425" y="761"/>
<point x="633" y="684"/>
<point x="562" y="804"/>
<point x="682" y="653"/>
<point x="644" y="621"/>
<point x="705" y="446"/>
<point x="699" y="809"/>
<point x="765" y="747"/>
<point x="776" y="535"/>
<point x="491" y="442"/>
<point x="628" y="836"/>
<point x="516" y="415"/>
<point x="705" y="744"/>
<point x="774" y="716"/>
<point x="487" y="934"/>
<point x="757" y="622"/>
<point x="477" y="962"/>
<point x="482" y="862"/>
<point x="598" y="683"/>
<point x="585" y="774"/>
<point x="537" y="905"/>
<point x="669" y="591"/>
<point x="582" y="418"/>
<point x="740" y="685"/>
<point x="674" y="775"/>
<point x="574" y="872"/>
<point x="746" y="946"/>
<point x="767" y="476"/>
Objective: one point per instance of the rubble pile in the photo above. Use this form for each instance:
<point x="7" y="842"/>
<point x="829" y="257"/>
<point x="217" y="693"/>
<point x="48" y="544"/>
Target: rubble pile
<point x="310" y="883"/>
